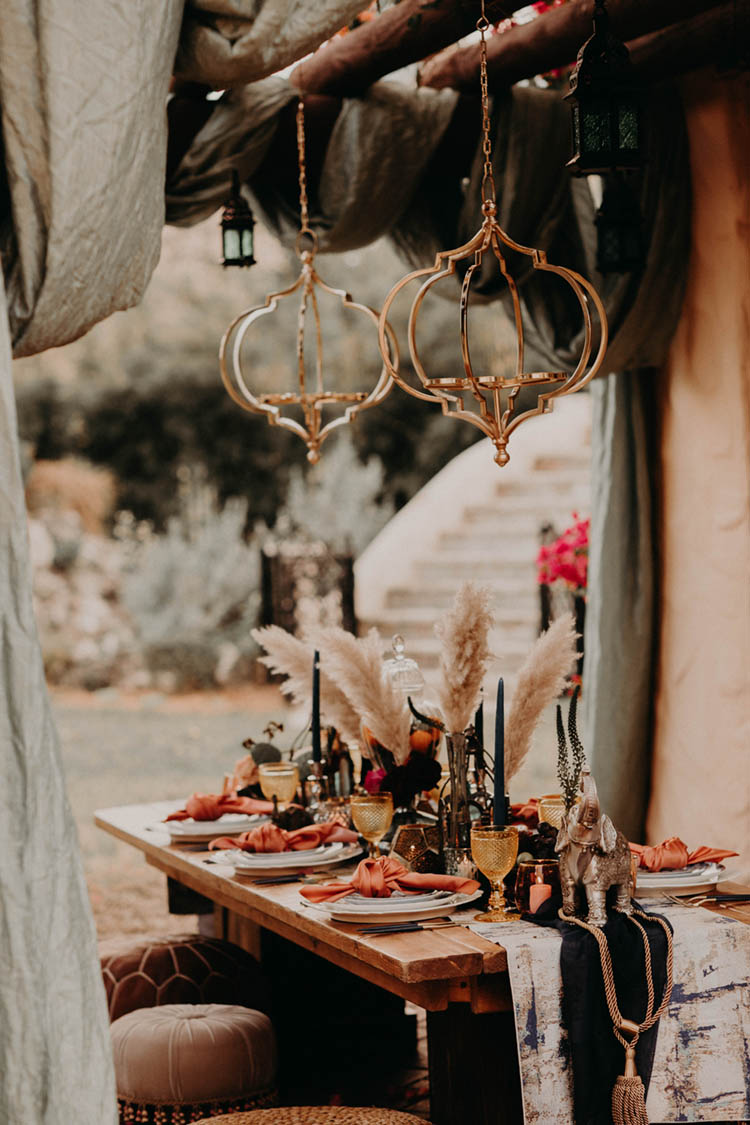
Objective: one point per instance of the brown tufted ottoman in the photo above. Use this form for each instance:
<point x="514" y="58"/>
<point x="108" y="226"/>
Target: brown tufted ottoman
<point x="180" y="1063"/>
<point x="185" y="969"/>
<point x="319" y="1115"/>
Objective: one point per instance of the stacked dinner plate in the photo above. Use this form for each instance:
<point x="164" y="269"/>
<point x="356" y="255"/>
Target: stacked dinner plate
<point x="201" y="831"/>
<point x="250" y="864"/>
<point x="692" y="880"/>
<point x="400" y="907"/>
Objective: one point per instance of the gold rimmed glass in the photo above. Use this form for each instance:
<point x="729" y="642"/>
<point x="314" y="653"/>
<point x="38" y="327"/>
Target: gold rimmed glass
<point x="372" y="814"/>
<point x="279" y="780"/>
<point x="494" y="850"/>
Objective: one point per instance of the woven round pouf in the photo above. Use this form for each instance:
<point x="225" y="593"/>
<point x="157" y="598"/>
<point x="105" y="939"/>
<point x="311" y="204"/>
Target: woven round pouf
<point x="318" y="1115"/>
<point x="182" y="969"/>
<point x="180" y="1063"/>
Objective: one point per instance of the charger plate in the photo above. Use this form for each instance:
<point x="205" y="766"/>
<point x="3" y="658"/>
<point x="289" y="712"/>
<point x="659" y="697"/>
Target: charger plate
<point x="415" y="911"/>
<point x="695" y="879"/>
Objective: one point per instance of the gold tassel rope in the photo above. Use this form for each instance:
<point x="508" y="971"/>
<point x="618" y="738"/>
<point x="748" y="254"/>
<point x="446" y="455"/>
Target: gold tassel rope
<point x="628" y="1095"/>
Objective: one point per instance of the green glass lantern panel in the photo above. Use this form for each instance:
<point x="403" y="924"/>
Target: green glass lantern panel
<point x="247" y="244"/>
<point x="232" y="245"/>
<point x="595" y="127"/>
<point x="628" y="127"/>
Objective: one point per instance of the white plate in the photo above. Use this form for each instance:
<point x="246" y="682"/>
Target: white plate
<point x="306" y="855"/>
<point x="229" y="824"/>
<point x="251" y="864"/>
<point x="341" y="912"/>
<point x="693" y="880"/>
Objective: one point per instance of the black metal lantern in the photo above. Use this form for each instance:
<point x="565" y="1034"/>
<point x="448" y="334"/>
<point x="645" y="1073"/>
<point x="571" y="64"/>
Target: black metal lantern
<point x="606" y="104"/>
<point x="237" y="223"/>
<point x="620" y="241"/>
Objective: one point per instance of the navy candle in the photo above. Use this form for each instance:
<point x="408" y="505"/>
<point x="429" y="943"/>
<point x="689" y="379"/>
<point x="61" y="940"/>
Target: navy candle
<point x="479" y="724"/>
<point x="316" y="752"/>
<point x="498" y="812"/>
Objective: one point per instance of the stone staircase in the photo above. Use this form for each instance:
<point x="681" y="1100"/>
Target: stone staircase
<point x="474" y="520"/>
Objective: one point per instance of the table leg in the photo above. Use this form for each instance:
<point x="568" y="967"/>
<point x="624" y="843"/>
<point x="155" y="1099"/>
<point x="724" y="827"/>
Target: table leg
<point x="474" y="1073"/>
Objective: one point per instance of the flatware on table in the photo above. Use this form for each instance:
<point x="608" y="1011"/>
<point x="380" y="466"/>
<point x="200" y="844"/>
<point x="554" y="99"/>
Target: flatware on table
<point x="714" y="897"/>
<point x="406" y="927"/>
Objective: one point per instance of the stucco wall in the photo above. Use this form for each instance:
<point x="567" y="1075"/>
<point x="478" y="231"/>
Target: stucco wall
<point x="701" y="776"/>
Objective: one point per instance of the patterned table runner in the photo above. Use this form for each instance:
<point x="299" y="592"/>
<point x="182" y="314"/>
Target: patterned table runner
<point x="702" y="1064"/>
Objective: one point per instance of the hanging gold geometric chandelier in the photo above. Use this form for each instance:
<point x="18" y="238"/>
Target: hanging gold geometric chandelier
<point x="494" y="395"/>
<point x="311" y="395"/>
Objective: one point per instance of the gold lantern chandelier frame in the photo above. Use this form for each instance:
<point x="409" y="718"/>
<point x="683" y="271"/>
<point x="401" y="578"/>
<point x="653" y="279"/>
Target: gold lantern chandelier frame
<point x="496" y="418"/>
<point x="312" y="428"/>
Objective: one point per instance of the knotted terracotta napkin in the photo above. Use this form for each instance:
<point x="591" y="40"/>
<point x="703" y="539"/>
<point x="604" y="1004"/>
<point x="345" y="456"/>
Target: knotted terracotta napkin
<point x="271" y="838"/>
<point x="672" y="855"/>
<point x="210" y="806"/>
<point x="379" y="878"/>
<point x="526" y="813"/>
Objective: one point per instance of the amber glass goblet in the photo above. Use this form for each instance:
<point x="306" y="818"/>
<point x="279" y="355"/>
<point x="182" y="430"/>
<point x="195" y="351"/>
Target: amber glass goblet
<point x="494" y="850"/>
<point x="372" y="814"/>
<point x="279" y="780"/>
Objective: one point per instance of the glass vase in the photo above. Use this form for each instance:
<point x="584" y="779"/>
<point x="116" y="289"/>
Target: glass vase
<point x="456" y="816"/>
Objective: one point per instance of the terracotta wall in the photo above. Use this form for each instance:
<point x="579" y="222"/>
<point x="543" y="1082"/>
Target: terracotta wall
<point x="701" y="778"/>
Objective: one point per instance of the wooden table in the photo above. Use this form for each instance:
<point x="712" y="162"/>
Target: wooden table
<point x="459" y="978"/>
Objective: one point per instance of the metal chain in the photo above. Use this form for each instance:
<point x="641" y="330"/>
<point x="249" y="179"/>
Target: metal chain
<point x="304" y="216"/>
<point x="651" y="1016"/>
<point x="488" y="179"/>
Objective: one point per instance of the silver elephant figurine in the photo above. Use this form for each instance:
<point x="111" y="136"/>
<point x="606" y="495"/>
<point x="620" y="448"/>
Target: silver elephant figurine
<point x="593" y="856"/>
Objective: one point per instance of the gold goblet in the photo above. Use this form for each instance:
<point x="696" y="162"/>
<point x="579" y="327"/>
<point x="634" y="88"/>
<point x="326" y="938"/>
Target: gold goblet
<point x="372" y="814"/>
<point x="494" y="850"/>
<point x="279" y="781"/>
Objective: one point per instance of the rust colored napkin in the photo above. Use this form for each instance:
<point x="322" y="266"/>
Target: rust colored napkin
<point x="672" y="855"/>
<point x="379" y="878"/>
<point x="527" y="813"/>
<point x="271" y="838"/>
<point x="210" y="806"/>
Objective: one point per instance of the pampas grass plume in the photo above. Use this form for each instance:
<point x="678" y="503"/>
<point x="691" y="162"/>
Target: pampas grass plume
<point x="463" y="632"/>
<point x="541" y="680"/>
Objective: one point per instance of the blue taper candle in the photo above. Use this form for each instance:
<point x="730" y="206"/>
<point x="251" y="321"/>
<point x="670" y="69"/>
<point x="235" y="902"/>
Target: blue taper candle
<point x="479" y="723"/>
<point x="498" y="811"/>
<point x="316" y="751"/>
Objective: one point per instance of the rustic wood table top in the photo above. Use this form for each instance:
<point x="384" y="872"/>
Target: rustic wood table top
<point x="432" y="968"/>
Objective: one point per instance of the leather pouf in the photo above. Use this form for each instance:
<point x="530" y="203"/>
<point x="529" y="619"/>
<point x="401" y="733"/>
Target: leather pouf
<point x="183" y="1062"/>
<point x="186" y="969"/>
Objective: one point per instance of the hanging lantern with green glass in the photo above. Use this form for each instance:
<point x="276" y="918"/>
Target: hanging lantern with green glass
<point x="621" y="244"/>
<point x="606" y="104"/>
<point x="237" y="225"/>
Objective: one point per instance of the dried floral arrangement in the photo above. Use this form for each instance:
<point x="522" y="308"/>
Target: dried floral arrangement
<point x="355" y="664"/>
<point x="464" y="634"/>
<point x="353" y="689"/>
<point x="541" y="681"/>
<point x="570" y="764"/>
<point x="287" y="655"/>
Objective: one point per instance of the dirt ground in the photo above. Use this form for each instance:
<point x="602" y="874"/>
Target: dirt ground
<point x="120" y="749"/>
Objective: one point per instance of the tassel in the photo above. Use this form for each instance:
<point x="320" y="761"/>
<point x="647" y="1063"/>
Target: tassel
<point x="628" y="1095"/>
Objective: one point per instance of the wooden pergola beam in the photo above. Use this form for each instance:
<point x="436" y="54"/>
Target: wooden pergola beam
<point x="415" y="29"/>
<point x="406" y="33"/>
<point x="553" y="40"/>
